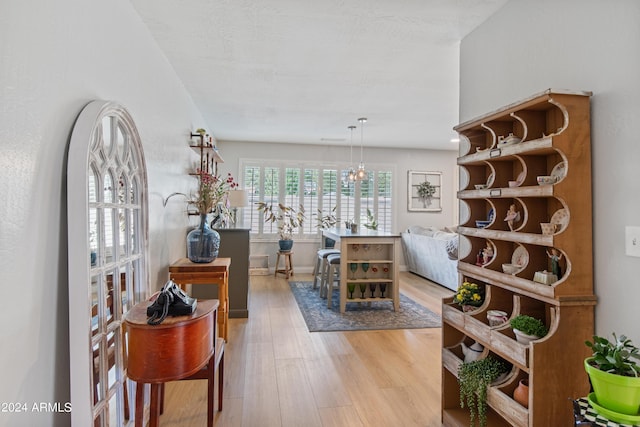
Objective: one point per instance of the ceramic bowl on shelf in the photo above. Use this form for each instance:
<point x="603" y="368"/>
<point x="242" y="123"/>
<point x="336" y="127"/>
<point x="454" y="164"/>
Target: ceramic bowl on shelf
<point x="480" y="186"/>
<point x="509" y="139"/>
<point x="545" y="180"/>
<point x="513" y="183"/>
<point x="545" y="277"/>
<point x="482" y="224"/>
<point x="510" y="268"/>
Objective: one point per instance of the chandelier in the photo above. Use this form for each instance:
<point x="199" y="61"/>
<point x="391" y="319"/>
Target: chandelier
<point x="361" y="173"/>
<point x="351" y="176"/>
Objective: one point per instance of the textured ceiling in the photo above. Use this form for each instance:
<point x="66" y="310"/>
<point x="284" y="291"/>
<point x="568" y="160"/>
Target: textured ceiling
<point x="302" y="71"/>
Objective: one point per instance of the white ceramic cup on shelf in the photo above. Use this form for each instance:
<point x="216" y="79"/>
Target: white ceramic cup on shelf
<point x="548" y="228"/>
<point x="496" y="317"/>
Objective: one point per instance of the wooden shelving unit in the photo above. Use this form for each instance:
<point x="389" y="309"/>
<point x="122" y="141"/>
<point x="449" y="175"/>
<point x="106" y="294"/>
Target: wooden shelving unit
<point x="380" y="255"/>
<point x="553" y="129"/>
<point x="203" y="145"/>
<point x="208" y="152"/>
<point x="380" y="251"/>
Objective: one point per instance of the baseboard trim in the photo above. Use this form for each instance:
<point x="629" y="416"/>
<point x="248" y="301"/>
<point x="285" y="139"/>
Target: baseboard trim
<point x="238" y="314"/>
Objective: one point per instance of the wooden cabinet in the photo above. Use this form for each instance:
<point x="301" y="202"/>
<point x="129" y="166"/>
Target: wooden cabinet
<point x="371" y="271"/>
<point x="369" y="259"/>
<point x="234" y="243"/>
<point x="502" y="155"/>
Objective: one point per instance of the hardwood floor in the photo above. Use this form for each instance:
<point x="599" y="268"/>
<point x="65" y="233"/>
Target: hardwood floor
<point x="279" y="374"/>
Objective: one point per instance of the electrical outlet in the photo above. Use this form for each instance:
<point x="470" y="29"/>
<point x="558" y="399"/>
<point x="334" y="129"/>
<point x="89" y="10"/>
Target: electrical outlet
<point x="632" y="241"/>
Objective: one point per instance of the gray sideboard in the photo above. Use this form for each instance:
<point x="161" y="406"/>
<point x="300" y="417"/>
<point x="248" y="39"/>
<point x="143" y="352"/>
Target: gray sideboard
<point x="234" y="243"/>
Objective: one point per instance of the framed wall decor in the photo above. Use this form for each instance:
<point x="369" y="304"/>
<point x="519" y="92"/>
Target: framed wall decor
<point x="424" y="191"/>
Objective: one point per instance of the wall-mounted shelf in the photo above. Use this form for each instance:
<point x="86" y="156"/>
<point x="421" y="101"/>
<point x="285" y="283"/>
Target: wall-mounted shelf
<point x="208" y="152"/>
<point x="209" y="157"/>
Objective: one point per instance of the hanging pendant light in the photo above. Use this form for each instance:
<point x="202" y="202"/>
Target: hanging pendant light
<point x="351" y="176"/>
<point x="361" y="173"/>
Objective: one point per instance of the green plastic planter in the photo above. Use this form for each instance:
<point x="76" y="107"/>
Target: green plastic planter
<point x="614" y="392"/>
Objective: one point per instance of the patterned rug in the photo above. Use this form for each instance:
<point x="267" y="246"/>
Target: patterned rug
<point x="359" y="316"/>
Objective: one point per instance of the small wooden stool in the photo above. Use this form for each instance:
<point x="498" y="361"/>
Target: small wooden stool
<point x="288" y="264"/>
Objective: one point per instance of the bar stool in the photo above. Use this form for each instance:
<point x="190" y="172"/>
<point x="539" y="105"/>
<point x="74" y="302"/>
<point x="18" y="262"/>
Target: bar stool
<point x="330" y="277"/>
<point x="319" y="268"/>
<point x="288" y="264"/>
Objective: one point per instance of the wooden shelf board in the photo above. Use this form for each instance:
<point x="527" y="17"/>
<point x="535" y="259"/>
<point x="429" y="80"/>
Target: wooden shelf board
<point x="540" y="98"/>
<point x="509" y="236"/>
<point x="458" y="417"/>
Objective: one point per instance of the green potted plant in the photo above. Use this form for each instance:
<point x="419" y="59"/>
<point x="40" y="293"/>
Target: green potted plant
<point x="527" y="328"/>
<point x="326" y="221"/>
<point x="469" y="296"/>
<point x="287" y="218"/>
<point x="474" y="378"/>
<point x="371" y="224"/>
<point x="614" y="374"/>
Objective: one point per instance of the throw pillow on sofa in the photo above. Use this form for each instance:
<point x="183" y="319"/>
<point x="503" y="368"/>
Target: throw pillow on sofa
<point x="452" y="249"/>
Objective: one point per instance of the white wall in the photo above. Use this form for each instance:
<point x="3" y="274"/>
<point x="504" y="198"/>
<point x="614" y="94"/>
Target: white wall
<point x="55" y="58"/>
<point x="592" y="45"/>
<point x="400" y="159"/>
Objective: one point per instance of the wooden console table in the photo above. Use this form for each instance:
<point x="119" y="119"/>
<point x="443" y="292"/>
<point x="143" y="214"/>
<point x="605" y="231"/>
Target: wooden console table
<point x="216" y="272"/>
<point x="180" y="348"/>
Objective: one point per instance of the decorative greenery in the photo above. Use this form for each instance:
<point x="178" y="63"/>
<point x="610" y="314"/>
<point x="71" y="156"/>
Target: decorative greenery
<point x="528" y="325"/>
<point x="474" y="378"/>
<point x="201" y="131"/>
<point x="211" y="191"/>
<point x="288" y="218"/>
<point x="615" y="357"/>
<point x="326" y="220"/>
<point x="469" y="294"/>
<point x="426" y="190"/>
<point x="371" y="224"/>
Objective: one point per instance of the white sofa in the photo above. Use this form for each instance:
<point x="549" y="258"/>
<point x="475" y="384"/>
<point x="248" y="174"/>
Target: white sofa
<point x="432" y="254"/>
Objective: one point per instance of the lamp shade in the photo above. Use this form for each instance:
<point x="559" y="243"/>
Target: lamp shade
<point x="238" y="198"/>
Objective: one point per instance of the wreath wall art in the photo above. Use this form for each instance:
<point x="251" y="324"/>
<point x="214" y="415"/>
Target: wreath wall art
<point x="424" y="190"/>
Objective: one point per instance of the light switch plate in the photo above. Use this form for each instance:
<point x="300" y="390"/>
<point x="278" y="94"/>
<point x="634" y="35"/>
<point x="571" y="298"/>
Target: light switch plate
<point x="632" y="241"/>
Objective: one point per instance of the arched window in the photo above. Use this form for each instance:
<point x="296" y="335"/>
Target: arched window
<point x="108" y="249"/>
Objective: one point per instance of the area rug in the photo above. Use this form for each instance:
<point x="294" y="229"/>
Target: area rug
<point x="359" y="316"/>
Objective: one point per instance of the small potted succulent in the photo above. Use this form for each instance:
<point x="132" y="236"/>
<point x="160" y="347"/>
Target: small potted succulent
<point x="614" y="374"/>
<point x="474" y="378"/>
<point x="527" y="328"/>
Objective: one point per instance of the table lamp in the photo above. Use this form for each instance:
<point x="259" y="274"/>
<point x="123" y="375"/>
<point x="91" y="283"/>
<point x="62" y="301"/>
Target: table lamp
<point x="238" y="199"/>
